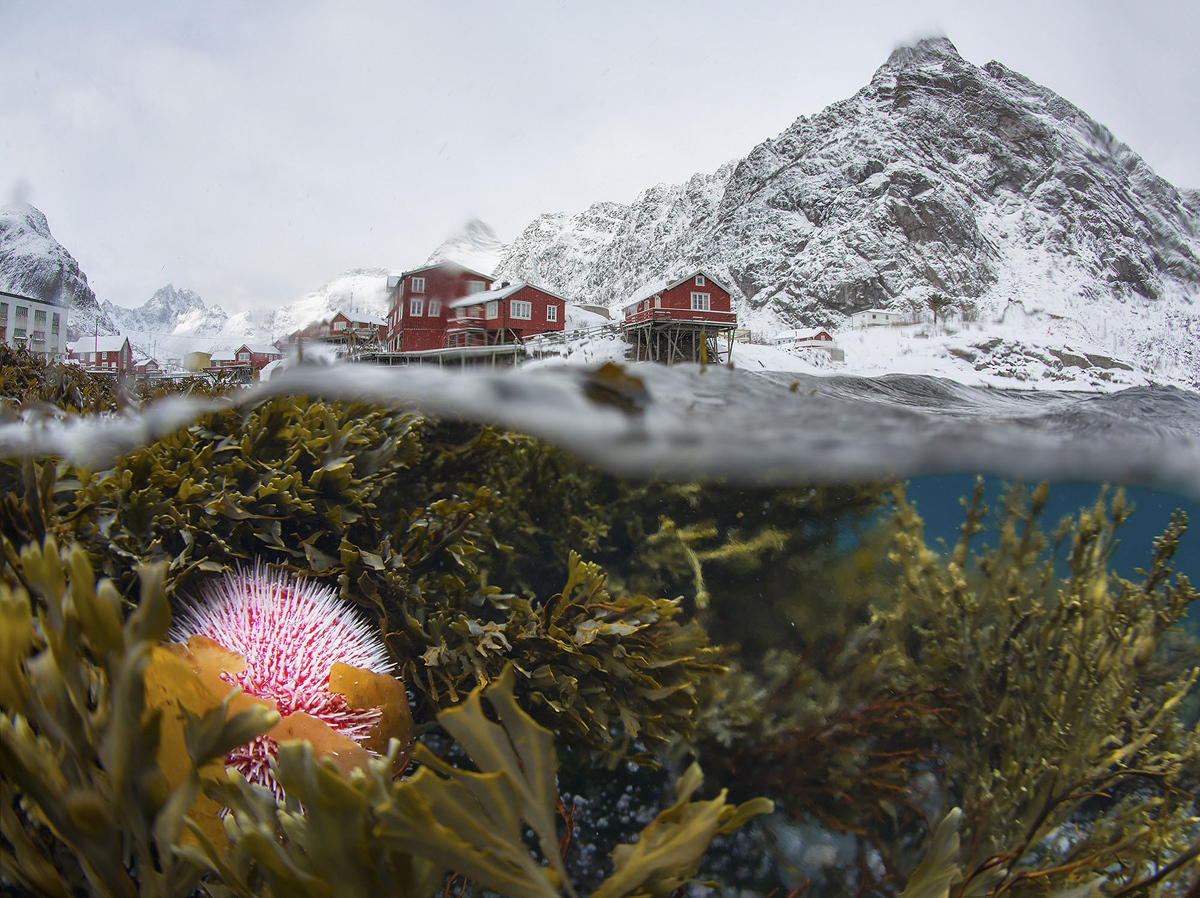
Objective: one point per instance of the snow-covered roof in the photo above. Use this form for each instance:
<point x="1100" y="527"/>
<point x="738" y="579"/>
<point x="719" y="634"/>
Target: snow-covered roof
<point x="880" y="312"/>
<point x="663" y="284"/>
<point x="222" y="357"/>
<point x="809" y="335"/>
<point x="98" y="344"/>
<point x="449" y="265"/>
<point x="498" y="293"/>
<point x="260" y="348"/>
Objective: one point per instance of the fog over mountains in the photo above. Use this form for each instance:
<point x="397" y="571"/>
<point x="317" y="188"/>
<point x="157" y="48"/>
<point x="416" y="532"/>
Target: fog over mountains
<point x="938" y="178"/>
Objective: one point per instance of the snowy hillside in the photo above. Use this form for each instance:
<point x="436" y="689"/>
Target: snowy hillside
<point x="475" y="246"/>
<point x="938" y="178"/>
<point x="359" y="291"/>
<point x="33" y="263"/>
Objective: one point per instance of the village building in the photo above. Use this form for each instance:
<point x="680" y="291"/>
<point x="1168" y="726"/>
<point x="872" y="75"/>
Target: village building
<point x="218" y="361"/>
<point x="40" y="327"/>
<point x="419" y="305"/>
<point x="510" y="313"/>
<point x="147" y="368"/>
<point x="104" y="355"/>
<point x="816" y="339"/>
<point x="256" y="355"/>
<point x="877" y="318"/>
<point x="357" y="329"/>
<point x="689" y="319"/>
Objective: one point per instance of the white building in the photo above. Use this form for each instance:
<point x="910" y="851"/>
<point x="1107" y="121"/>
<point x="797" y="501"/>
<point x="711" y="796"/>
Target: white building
<point x="40" y="327"/>
<point x="877" y="317"/>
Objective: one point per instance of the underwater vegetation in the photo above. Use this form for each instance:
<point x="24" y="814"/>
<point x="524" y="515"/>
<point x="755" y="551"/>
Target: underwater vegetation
<point x="1000" y="716"/>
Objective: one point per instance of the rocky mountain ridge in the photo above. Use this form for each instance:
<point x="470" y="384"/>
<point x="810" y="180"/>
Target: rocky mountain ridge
<point x="34" y="264"/>
<point x="169" y="311"/>
<point x="938" y="178"/>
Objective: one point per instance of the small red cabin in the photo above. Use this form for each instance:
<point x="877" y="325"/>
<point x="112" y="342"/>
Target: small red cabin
<point x="507" y="314"/>
<point x="360" y="328"/>
<point x="419" y="306"/>
<point x="106" y="354"/>
<point x="256" y="356"/>
<point x="801" y="339"/>
<point x="695" y="299"/>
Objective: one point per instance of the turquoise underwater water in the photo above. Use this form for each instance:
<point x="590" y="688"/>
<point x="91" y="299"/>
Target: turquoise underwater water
<point x="937" y="500"/>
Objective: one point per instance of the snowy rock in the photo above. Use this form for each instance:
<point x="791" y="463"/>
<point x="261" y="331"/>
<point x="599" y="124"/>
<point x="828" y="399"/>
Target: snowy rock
<point x="34" y="264"/>
<point x="476" y="246"/>
<point x="937" y="178"/>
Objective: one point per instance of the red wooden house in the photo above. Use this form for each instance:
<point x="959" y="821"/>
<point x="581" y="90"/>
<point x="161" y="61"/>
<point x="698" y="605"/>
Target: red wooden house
<point x="804" y="339"/>
<point x="695" y="299"/>
<point x="255" y="355"/>
<point x="358" y="328"/>
<point x="104" y="354"/>
<point x="510" y="313"/>
<point x="419" y="306"/>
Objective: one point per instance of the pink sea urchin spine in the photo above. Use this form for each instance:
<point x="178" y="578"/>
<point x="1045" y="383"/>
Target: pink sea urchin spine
<point x="290" y="632"/>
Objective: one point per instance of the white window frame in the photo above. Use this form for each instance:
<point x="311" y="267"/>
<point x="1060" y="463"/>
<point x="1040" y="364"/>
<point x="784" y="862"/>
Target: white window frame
<point x="492" y="310"/>
<point x="658" y="302"/>
<point x="701" y="302"/>
<point x="474" y="287"/>
<point x="416" y="307"/>
<point x="520" y="309"/>
<point x="435" y="308"/>
<point x="416" y="285"/>
<point x="700" y="280"/>
<point x="551" y="312"/>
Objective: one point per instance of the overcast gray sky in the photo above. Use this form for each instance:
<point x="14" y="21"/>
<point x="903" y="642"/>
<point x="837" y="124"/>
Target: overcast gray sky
<point x="254" y="150"/>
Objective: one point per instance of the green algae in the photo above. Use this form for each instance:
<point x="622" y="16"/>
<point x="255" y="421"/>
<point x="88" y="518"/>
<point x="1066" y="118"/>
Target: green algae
<point x="871" y="687"/>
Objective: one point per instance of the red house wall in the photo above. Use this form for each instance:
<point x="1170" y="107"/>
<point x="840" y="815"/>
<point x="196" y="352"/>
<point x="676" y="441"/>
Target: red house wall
<point x="409" y="333"/>
<point x="680" y="297"/>
<point x="675" y="303"/>
<point x="539" y="300"/>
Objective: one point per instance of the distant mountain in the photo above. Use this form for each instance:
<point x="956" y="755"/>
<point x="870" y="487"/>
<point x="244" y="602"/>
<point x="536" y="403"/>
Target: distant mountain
<point x="938" y="177"/>
<point x="170" y="311"/>
<point x="34" y="264"/>
<point x="361" y="291"/>
<point x="475" y="246"/>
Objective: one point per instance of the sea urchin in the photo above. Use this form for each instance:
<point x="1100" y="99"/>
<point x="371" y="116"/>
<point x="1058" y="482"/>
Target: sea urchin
<point x="289" y="636"/>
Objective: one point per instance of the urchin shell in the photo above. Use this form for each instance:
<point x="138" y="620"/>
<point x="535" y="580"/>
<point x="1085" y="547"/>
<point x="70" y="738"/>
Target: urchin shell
<point x="290" y="632"/>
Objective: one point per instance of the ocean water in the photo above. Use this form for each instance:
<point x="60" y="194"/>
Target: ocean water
<point x="763" y="431"/>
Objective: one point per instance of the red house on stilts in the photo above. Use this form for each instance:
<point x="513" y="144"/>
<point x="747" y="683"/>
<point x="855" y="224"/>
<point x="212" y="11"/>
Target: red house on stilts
<point x="683" y="320"/>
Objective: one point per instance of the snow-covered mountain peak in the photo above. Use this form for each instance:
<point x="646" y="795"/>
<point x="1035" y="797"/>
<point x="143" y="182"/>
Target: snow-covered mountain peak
<point x="473" y="246"/>
<point x="939" y="178"/>
<point x="33" y="263"/>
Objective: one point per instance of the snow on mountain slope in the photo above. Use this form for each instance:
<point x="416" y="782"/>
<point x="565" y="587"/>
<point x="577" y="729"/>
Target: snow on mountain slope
<point x="937" y="178"/>
<point x="361" y="291"/>
<point x="34" y="264"/>
<point x="475" y="246"/>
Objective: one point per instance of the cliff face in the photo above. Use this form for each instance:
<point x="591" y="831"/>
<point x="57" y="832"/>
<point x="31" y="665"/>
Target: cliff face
<point x="938" y="177"/>
<point x="33" y="263"/>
